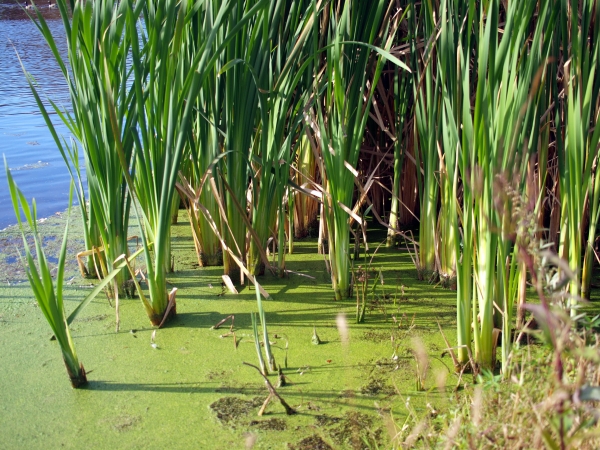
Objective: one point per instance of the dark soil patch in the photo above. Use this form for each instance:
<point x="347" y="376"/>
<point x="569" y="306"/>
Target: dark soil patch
<point x="312" y="406"/>
<point x="323" y="420"/>
<point x="217" y="374"/>
<point x="96" y="318"/>
<point x="125" y="422"/>
<point x="348" y="393"/>
<point x="386" y="365"/>
<point x="314" y="442"/>
<point x="230" y="409"/>
<point x="376" y="336"/>
<point x="376" y="386"/>
<point x="352" y="429"/>
<point x="270" y="425"/>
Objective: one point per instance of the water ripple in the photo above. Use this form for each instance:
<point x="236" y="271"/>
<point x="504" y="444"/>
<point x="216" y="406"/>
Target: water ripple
<point x="30" y="150"/>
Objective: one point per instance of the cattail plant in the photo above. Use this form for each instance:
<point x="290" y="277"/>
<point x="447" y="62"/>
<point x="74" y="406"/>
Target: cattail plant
<point x="451" y="68"/>
<point x="203" y="148"/>
<point x="499" y="138"/>
<point x="245" y="61"/>
<point x="349" y="77"/>
<point x="400" y="91"/>
<point x="99" y="121"/>
<point x="485" y="144"/>
<point x="577" y="156"/>
<point x="305" y="208"/>
<point x="427" y="91"/>
<point x="166" y="85"/>
<point x="282" y="98"/>
<point x="159" y="75"/>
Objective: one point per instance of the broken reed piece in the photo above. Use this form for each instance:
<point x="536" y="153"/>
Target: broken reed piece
<point x="231" y="316"/>
<point x="262" y="409"/>
<point x="272" y="393"/>
<point x="229" y="284"/>
<point x="281" y="378"/>
<point x="231" y="332"/>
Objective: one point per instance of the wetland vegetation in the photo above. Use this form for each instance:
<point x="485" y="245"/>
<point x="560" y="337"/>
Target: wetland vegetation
<point x="349" y="224"/>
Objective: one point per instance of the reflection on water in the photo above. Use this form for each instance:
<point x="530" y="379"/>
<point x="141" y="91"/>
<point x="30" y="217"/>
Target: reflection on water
<point x="36" y="163"/>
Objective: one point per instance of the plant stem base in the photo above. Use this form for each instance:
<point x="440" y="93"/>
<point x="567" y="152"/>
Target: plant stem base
<point x="157" y="319"/>
<point x="77" y="380"/>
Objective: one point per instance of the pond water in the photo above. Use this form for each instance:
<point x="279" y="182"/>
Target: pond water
<point x="35" y="162"/>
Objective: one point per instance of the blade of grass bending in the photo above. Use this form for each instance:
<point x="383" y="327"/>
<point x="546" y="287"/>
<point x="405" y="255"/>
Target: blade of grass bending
<point x="98" y="288"/>
<point x="261" y="360"/>
<point x="235" y="259"/>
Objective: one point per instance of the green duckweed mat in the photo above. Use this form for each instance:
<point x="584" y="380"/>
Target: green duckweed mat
<point x="191" y="389"/>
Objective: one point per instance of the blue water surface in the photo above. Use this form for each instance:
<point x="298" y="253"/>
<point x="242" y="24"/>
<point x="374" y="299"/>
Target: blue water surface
<point x="30" y="150"/>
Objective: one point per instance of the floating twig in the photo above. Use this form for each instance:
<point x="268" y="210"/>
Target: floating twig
<point x="448" y="347"/>
<point x="272" y="393"/>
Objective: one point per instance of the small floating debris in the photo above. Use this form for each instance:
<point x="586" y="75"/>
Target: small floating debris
<point x="32" y="166"/>
<point x="315" y="337"/>
<point x="303" y="369"/>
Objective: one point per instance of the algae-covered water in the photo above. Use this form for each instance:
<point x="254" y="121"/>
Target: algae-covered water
<point x="192" y="390"/>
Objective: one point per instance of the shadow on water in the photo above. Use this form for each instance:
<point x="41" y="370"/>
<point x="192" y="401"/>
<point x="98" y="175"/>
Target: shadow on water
<point x="292" y="395"/>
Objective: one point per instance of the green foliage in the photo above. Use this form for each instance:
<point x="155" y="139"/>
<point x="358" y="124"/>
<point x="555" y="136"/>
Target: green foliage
<point x="578" y="146"/>
<point x="99" y="120"/>
<point x="213" y="99"/>
<point x="534" y="408"/>
<point x="345" y="91"/>
<point x="49" y="296"/>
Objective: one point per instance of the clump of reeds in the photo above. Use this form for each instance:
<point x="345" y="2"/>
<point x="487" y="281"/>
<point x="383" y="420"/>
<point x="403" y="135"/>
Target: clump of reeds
<point x="229" y="98"/>
<point x="99" y="119"/>
<point x="487" y="127"/>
